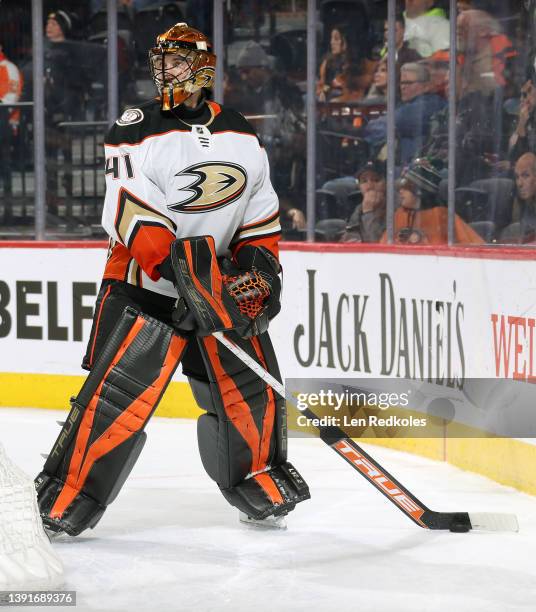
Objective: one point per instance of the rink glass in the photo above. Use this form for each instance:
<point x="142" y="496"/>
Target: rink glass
<point x="491" y="189"/>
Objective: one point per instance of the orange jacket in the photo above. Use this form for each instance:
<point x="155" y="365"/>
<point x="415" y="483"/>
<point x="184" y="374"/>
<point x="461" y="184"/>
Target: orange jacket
<point x="10" y="86"/>
<point x="430" y="227"/>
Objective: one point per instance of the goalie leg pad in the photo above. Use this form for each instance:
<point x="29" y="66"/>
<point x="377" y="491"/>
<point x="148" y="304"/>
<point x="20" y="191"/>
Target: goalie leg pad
<point x="271" y="493"/>
<point x="103" y="434"/>
<point x="242" y="437"/>
<point x="85" y="512"/>
<point x="243" y="432"/>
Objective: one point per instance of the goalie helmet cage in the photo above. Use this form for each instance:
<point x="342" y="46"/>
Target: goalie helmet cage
<point x="27" y="560"/>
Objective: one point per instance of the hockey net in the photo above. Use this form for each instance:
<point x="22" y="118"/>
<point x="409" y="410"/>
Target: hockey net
<point x="26" y="556"/>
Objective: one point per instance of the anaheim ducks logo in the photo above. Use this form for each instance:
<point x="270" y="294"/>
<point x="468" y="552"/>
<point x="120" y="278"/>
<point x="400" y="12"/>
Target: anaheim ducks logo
<point x="215" y="185"/>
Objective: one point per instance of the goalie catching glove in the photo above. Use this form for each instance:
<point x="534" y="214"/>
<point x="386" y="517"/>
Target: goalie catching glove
<point x="242" y="298"/>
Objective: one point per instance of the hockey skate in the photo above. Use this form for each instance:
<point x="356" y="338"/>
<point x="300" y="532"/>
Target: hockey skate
<point x="270" y="522"/>
<point x="54" y="535"/>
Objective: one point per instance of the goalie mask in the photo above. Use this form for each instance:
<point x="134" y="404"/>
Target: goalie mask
<point x="181" y="64"/>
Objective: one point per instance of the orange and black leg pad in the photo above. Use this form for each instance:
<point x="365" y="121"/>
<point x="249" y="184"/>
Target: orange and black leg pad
<point x="103" y="434"/>
<point x="243" y="435"/>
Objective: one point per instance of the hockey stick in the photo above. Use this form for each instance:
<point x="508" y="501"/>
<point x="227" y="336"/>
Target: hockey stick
<point x="368" y="467"/>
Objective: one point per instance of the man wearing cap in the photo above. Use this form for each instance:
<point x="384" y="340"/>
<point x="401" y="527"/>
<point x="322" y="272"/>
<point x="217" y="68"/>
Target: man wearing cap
<point x="260" y="89"/>
<point x="254" y="68"/>
<point x="367" y="222"/>
<point x="275" y="106"/>
<point x="421" y="219"/>
<point x="59" y="24"/>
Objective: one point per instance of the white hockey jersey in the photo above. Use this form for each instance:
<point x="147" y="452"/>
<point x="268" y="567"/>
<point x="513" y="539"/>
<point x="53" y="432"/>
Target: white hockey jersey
<point x="180" y="174"/>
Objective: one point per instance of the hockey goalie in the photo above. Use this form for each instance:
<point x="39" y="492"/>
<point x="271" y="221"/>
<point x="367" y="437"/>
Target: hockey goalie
<point x="194" y="227"/>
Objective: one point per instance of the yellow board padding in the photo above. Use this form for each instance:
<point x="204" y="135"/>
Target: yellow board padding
<point x="52" y="391"/>
<point x="504" y="460"/>
<point x="507" y="461"/>
<point x="178" y="401"/>
<point x="432" y="448"/>
<point x="510" y="462"/>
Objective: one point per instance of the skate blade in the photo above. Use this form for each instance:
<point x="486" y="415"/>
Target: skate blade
<point x="277" y="523"/>
<point x="55" y="536"/>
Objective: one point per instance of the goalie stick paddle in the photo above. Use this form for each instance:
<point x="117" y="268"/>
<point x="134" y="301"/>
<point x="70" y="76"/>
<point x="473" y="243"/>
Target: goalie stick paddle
<point x="370" y="469"/>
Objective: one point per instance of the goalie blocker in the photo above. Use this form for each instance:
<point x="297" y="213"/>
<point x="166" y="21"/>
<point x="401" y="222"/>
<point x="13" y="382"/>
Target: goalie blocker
<point x="242" y="435"/>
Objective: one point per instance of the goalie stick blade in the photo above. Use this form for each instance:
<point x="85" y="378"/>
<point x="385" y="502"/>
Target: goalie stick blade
<point x="493" y="521"/>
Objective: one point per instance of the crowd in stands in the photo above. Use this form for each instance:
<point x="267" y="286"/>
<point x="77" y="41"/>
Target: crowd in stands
<point x="495" y="79"/>
<point x="495" y="138"/>
<point x="75" y="84"/>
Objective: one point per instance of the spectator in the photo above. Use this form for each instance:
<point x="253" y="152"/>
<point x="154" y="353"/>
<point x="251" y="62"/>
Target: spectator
<point x="65" y="86"/>
<point x="355" y="81"/>
<point x="404" y="54"/>
<point x="427" y="28"/>
<point x="478" y="136"/>
<point x="485" y="53"/>
<point x="523" y="228"/>
<point x="412" y="117"/>
<point x="421" y="218"/>
<point x="10" y="80"/>
<point x="484" y="71"/>
<point x="367" y="222"/>
<point x="332" y="66"/>
<point x="59" y="25"/>
<point x="10" y="91"/>
<point x="257" y="76"/>
<point x="281" y="127"/>
<point x="418" y="104"/>
<point x="438" y="66"/>
<point x="378" y="89"/>
<point x="524" y="137"/>
<point x="337" y="194"/>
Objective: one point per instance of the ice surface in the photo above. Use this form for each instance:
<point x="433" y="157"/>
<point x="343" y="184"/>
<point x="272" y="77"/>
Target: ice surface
<point x="171" y="542"/>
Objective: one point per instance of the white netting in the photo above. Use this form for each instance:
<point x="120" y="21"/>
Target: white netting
<point x="26" y="556"/>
